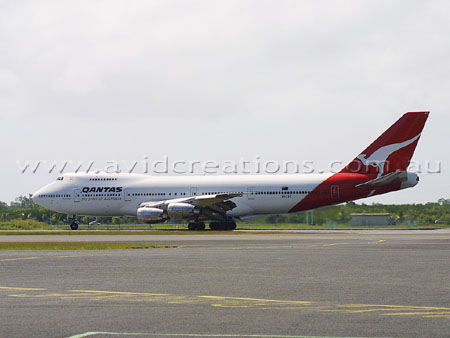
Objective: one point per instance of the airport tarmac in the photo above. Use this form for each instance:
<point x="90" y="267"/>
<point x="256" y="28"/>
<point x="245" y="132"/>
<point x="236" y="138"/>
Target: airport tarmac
<point x="362" y="283"/>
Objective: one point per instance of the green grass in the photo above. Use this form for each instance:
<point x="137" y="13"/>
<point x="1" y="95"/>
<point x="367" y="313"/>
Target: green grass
<point x="8" y="228"/>
<point x="75" y="246"/>
<point x="25" y="224"/>
<point x="244" y="226"/>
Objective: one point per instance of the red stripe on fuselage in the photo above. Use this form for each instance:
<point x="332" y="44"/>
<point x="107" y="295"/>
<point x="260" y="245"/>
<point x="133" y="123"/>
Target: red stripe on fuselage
<point x="340" y="188"/>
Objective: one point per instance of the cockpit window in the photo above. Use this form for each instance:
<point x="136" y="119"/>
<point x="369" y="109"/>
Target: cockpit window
<point x="60" y="178"/>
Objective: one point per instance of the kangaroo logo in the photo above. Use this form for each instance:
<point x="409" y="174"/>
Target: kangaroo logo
<point x="379" y="157"/>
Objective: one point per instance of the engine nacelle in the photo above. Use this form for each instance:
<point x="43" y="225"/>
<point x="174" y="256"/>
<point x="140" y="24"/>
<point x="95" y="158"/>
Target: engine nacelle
<point x="181" y="211"/>
<point x="151" y="215"/>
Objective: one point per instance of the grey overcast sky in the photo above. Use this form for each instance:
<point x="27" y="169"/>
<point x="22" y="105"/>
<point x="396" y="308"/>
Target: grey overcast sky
<point x="219" y="80"/>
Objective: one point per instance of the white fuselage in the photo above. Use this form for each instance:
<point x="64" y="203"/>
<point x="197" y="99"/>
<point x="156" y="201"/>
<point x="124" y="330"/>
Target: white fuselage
<point x="121" y="194"/>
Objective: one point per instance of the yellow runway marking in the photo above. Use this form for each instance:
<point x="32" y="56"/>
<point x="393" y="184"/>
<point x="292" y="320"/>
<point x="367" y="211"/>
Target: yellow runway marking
<point x="18" y="259"/>
<point x="54" y="295"/>
<point x="334" y="244"/>
<point x="358" y="311"/>
<point x="402" y="307"/>
<point x="234" y="302"/>
<point x="257" y="300"/>
<point x="122" y="293"/>
<point x="7" y="288"/>
<point x="394" y="310"/>
<point x="416" y="313"/>
<point x="50" y="256"/>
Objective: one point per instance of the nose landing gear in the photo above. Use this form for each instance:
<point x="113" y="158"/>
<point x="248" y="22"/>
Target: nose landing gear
<point x="73" y="222"/>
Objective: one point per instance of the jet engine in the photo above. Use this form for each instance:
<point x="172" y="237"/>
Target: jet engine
<point x="181" y="211"/>
<point x="151" y="215"/>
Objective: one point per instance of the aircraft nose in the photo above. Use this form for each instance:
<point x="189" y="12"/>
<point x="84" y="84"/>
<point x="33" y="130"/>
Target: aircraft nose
<point x="35" y="197"/>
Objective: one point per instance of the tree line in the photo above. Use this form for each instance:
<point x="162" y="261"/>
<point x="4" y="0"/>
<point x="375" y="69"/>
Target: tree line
<point x="422" y="214"/>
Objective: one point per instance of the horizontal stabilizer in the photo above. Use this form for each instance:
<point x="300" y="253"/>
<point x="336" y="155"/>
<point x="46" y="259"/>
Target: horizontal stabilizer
<point x="383" y="181"/>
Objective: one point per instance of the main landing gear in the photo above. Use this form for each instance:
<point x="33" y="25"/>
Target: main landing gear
<point x="73" y="222"/>
<point x="223" y="226"/>
<point x="196" y="226"/>
<point x="228" y="225"/>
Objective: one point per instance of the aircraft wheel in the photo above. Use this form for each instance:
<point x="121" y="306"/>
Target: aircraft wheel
<point x="231" y="225"/>
<point x="74" y="226"/>
<point x="214" y="226"/>
<point x="193" y="226"/>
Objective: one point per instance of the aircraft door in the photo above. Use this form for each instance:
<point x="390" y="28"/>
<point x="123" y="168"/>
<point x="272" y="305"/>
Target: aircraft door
<point x="127" y="194"/>
<point x="193" y="191"/>
<point x="76" y="195"/>
<point x="335" y="192"/>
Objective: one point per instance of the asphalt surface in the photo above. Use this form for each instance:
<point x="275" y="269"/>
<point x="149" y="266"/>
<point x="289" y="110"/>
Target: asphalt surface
<point x="308" y="283"/>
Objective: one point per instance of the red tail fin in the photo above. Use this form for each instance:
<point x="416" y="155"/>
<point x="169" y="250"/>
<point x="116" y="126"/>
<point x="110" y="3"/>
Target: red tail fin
<point x="392" y="151"/>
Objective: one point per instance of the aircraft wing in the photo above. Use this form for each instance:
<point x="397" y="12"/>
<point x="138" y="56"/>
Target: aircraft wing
<point x="207" y="200"/>
<point x="215" y="206"/>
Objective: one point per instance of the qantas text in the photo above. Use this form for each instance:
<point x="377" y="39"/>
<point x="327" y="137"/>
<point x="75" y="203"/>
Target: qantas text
<point x="102" y="189"/>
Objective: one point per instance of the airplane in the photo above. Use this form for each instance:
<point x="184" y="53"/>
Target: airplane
<point x="221" y="200"/>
